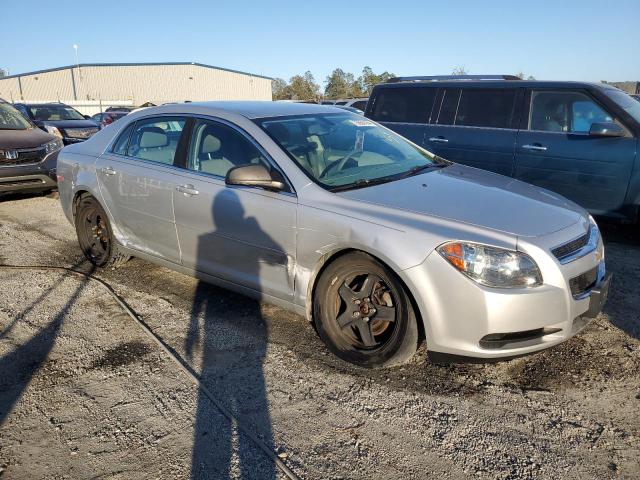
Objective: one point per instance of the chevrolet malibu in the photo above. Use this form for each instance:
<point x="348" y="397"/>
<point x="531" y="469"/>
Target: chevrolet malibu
<point x="378" y="242"/>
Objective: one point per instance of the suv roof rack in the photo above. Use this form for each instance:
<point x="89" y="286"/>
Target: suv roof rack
<point x="435" y="78"/>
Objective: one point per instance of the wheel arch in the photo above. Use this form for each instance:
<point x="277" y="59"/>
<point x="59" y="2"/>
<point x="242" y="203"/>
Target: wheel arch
<point x="329" y="258"/>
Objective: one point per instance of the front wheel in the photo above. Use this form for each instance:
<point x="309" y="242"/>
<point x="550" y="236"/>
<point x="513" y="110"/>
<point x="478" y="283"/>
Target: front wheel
<point x="363" y="313"/>
<point x="95" y="236"/>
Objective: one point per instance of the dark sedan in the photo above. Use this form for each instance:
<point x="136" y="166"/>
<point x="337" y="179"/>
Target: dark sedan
<point x="60" y="120"/>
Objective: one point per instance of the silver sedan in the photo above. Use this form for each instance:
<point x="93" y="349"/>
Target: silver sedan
<point x="380" y="243"/>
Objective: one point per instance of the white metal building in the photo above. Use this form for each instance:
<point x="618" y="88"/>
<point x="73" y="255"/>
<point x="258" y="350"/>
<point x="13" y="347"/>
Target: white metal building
<point x="134" y="84"/>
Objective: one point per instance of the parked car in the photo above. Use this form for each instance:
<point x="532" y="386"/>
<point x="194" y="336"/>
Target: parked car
<point x="27" y="154"/>
<point x="60" y="120"/>
<point x="359" y="103"/>
<point x="577" y="139"/>
<point x="107" y="118"/>
<point x="350" y="109"/>
<point x="326" y="213"/>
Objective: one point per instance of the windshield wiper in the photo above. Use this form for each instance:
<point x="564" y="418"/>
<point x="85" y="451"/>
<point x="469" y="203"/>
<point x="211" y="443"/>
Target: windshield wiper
<point x="421" y="168"/>
<point x="363" y="182"/>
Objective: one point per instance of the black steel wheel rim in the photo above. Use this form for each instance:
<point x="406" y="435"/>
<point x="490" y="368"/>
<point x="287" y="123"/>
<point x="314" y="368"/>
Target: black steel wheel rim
<point x="96" y="240"/>
<point x="366" y="311"/>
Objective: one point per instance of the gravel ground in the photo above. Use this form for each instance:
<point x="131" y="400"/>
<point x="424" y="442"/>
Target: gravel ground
<point x="85" y="394"/>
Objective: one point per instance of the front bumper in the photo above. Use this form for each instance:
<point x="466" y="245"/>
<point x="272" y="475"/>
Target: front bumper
<point x="31" y="177"/>
<point x="464" y="318"/>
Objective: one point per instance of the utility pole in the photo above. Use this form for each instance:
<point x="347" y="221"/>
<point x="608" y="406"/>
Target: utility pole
<point x="75" y="47"/>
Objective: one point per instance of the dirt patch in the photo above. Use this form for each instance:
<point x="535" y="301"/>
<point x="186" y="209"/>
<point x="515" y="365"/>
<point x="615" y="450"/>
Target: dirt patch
<point x="123" y="354"/>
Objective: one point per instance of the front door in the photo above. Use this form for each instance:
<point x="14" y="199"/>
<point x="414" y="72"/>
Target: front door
<point x="555" y="151"/>
<point x="136" y="180"/>
<point x="240" y="234"/>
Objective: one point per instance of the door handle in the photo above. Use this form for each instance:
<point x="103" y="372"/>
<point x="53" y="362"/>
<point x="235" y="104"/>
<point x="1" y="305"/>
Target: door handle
<point x="535" y="147"/>
<point x="187" y="190"/>
<point x="108" y="171"/>
<point x="438" y="140"/>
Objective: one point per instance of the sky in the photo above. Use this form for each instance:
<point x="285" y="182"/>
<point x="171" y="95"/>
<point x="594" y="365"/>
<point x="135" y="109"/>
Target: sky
<point x="586" y="40"/>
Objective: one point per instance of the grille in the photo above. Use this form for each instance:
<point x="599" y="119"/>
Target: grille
<point x="571" y="247"/>
<point x="80" y="132"/>
<point x="25" y="157"/>
<point x="584" y="281"/>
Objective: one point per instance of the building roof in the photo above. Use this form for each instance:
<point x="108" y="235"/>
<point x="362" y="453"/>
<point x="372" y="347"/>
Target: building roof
<point x="144" y="64"/>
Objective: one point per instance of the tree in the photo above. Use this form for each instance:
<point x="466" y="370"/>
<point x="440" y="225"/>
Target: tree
<point x="280" y="89"/>
<point x="303" y="87"/>
<point x="339" y="84"/>
<point x="368" y="80"/>
<point x="460" y="70"/>
<point x="521" y="76"/>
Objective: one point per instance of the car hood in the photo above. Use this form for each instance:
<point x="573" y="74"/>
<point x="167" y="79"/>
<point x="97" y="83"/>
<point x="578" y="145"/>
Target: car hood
<point x="69" y="123"/>
<point x="476" y="197"/>
<point x="30" y="138"/>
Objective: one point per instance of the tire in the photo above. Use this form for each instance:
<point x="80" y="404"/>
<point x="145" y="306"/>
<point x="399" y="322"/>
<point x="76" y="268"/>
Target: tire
<point x="95" y="236"/>
<point x="363" y="313"/>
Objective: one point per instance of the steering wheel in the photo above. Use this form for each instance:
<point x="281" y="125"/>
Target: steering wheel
<point x="339" y="164"/>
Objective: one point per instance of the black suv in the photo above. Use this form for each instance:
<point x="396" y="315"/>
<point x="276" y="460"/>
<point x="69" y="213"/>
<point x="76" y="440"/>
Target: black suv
<point x="60" y="120"/>
<point x="28" y="156"/>
<point x="577" y="139"/>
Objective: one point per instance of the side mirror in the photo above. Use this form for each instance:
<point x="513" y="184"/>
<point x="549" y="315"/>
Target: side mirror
<point x="606" y="129"/>
<point x="253" y="176"/>
<point x="87" y="117"/>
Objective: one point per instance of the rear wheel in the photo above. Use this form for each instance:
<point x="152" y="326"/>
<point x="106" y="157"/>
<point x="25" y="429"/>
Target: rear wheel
<point x="95" y="235"/>
<point x="363" y="313"/>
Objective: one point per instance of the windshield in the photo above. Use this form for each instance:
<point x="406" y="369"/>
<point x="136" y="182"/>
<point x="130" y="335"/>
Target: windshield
<point x="12" y="119"/>
<point x="628" y="104"/>
<point x="343" y="150"/>
<point x="54" y="112"/>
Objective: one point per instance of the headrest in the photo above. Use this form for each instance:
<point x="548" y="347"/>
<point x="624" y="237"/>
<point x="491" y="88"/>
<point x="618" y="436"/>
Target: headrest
<point x="153" y="137"/>
<point x="210" y="144"/>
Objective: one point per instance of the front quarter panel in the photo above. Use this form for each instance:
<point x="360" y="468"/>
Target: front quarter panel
<point x="329" y="224"/>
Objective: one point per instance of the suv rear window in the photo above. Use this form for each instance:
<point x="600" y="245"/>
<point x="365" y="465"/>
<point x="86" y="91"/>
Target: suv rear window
<point x="477" y="107"/>
<point x="408" y="105"/>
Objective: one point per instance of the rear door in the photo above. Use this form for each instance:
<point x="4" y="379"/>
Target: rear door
<point x="476" y="127"/>
<point x="137" y="181"/>
<point x="403" y="108"/>
<point x="555" y="151"/>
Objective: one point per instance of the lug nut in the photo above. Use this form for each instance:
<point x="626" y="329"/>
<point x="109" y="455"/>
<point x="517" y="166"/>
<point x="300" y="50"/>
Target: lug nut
<point x="358" y="302"/>
<point x="356" y="314"/>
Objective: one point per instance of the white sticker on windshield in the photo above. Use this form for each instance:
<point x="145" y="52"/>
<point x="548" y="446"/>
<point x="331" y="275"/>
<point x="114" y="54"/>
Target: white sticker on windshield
<point x="359" y="145"/>
<point x="361" y="123"/>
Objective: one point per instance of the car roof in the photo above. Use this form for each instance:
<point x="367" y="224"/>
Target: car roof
<point x="262" y="109"/>
<point x="496" y="84"/>
<point x="59" y="104"/>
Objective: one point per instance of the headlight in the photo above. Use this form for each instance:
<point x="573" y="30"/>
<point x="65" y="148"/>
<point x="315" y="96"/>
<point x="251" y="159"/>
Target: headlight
<point x="53" y="130"/>
<point x="53" y="146"/>
<point x="491" y="266"/>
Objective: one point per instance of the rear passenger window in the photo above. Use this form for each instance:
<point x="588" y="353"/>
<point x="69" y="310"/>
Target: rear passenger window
<point x="449" y="106"/>
<point x="486" y="108"/>
<point x="407" y="105"/>
<point x="215" y="149"/>
<point x="571" y="112"/>
<point x="360" y="104"/>
<point x="156" y="139"/>
<point x="120" y="147"/>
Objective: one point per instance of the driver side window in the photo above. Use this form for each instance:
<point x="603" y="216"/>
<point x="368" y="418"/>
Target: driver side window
<point x="569" y="112"/>
<point x="216" y="148"/>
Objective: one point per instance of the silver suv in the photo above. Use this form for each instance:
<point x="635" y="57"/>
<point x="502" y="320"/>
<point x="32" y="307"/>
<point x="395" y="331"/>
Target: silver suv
<point x="377" y="241"/>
